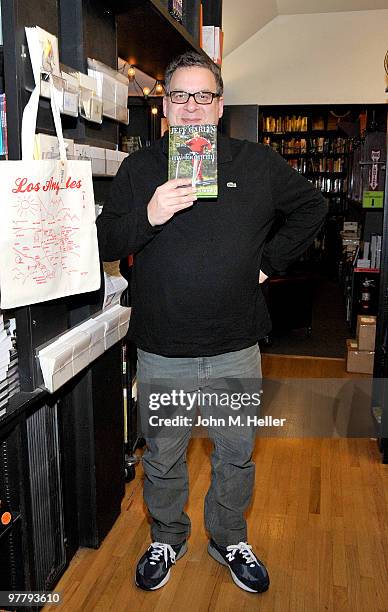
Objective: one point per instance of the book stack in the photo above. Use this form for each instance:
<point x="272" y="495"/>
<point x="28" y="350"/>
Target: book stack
<point x="3" y="127"/>
<point x="375" y="250"/>
<point x="371" y="254"/>
<point x="9" y="371"/>
<point x="288" y="123"/>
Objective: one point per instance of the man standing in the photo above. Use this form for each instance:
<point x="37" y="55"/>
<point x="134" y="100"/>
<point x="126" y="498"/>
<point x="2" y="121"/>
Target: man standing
<point x="198" y="310"/>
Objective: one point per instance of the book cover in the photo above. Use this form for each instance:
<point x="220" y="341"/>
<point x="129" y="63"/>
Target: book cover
<point x="191" y="18"/>
<point x="175" y="8"/>
<point x="208" y="40"/>
<point x="193" y="155"/>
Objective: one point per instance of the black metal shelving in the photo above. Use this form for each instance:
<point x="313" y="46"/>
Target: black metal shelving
<point x="380" y="370"/>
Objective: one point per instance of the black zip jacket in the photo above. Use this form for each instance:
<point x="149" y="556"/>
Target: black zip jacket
<point x="195" y="289"/>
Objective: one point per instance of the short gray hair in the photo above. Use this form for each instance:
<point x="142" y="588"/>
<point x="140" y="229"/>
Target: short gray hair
<point x="189" y="59"/>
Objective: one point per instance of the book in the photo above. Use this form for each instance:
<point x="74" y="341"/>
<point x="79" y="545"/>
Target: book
<point x="191" y="18"/>
<point x="378" y="251"/>
<point x="373" y="243"/>
<point x="3" y="126"/>
<point x="208" y="40"/>
<point x="175" y="8"/>
<point x="218" y="42"/>
<point x="193" y="155"/>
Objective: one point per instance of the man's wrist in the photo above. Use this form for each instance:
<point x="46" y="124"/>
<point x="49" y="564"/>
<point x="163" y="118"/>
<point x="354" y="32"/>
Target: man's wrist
<point x="149" y="217"/>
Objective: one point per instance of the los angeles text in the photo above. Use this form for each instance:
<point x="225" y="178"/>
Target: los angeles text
<point x="22" y="185"/>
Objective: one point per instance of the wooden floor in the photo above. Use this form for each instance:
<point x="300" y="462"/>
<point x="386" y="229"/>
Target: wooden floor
<point x="319" y="520"/>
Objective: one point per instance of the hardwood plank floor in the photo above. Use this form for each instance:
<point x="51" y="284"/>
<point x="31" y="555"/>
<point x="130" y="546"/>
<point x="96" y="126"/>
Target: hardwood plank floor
<point x="319" y="519"/>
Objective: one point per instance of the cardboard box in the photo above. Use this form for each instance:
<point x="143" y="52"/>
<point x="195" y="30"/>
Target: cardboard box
<point x="366" y="332"/>
<point x="359" y="361"/>
<point x="111" y="162"/>
<point x="349" y="245"/>
<point x="47" y="147"/>
<point x="350" y="226"/>
<point x="97" y="155"/>
<point x="81" y="151"/>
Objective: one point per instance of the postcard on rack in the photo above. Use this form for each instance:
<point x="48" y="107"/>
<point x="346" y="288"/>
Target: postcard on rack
<point x="43" y="48"/>
<point x="193" y="155"/>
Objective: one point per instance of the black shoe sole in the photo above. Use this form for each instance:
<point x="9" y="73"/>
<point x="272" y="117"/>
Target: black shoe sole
<point x="161" y="584"/>
<point x="213" y="552"/>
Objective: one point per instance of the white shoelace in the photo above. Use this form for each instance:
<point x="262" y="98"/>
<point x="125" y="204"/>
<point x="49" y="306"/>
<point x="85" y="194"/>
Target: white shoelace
<point x="158" y="549"/>
<point x="246" y="552"/>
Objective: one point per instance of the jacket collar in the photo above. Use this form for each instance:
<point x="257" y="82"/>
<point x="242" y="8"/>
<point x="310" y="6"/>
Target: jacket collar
<point x="223" y="150"/>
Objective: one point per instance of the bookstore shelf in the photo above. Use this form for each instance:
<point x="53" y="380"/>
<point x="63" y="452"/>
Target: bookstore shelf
<point x="325" y="173"/>
<point x="303" y="133"/>
<point x="142" y="34"/>
<point x="367" y="270"/>
<point x="312" y="154"/>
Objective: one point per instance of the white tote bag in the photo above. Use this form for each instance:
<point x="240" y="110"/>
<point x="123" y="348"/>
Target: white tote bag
<point x="48" y="237"/>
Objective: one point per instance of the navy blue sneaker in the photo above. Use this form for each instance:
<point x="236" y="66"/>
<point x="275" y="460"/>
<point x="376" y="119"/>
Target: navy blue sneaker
<point x="248" y="572"/>
<point x="153" y="569"/>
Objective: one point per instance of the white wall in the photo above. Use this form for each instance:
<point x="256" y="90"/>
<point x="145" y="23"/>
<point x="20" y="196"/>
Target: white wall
<point x="319" y="58"/>
<point x="241" y="20"/>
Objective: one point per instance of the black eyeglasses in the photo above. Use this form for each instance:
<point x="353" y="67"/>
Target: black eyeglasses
<point x="201" y="97"/>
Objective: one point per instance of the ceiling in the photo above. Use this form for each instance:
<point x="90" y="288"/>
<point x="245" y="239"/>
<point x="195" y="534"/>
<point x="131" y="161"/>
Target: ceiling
<point x="240" y="24"/>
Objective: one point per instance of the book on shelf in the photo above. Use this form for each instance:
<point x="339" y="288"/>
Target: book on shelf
<point x="285" y="124"/>
<point x="212" y="12"/>
<point x="355" y="256"/>
<point x="175" y="8"/>
<point x="365" y="252"/>
<point x="208" y="40"/>
<point x="218" y="45"/>
<point x="373" y="242"/>
<point x="212" y="42"/>
<point x="191" y="18"/>
<point x="378" y="251"/>
<point x="375" y="250"/>
<point x="193" y="155"/>
<point x="318" y="123"/>
<point x="201" y="25"/>
<point x="3" y="126"/>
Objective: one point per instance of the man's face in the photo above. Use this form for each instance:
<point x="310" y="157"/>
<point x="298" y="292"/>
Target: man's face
<point x="191" y="80"/>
